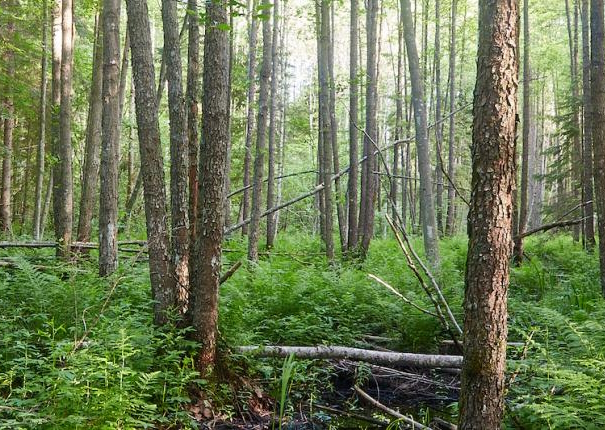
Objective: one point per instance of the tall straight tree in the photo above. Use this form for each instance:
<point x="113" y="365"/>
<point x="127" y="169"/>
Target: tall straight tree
<point x="110" y="148"/>
<point x="192" y="96"/>
<point x="163" y="283"/>
<point x="92" y="148"/>
<point x="261" y="138"/>
<point x="450" y="223"/>
<point x="597" y="76"/>
<point x="40" y="156"/>
<point x="179" y="169"/>
<point x="490" y="217"/>
<point x="9" y="122"/>
<point x="398" y="116"/>
<point x="56" y="37"/>
<point x="352" y="233"/>
<point x="63" y="181"/>
<point x="427" y="207"/>
<point x="438" y="120"/>
<point x="368" y="191"/>
<point x="213" y="161"/>
<point x="587" y="180"/>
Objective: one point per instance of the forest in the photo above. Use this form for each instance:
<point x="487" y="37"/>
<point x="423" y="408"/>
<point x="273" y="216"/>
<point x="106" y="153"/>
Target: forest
<point x="302" y="214"/>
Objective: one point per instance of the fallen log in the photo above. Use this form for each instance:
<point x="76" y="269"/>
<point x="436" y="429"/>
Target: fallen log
<point x="343" y="352"/>
<point x="74" y="245"/>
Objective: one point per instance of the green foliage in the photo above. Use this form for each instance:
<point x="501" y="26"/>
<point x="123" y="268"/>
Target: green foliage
<point x="125" y="374"/>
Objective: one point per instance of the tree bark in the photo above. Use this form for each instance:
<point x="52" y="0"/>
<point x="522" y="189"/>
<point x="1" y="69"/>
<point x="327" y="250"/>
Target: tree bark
<point x="179" y="168"/>
<point x="90" y="175"/>
<point x="163" y="283"/>
<point x="597" y="75"/>
<point x="192" y="96"/>
<point x="261" y="137"/>
<point x="110" y="148"/>
<point x="438" y="122"/>
<point x="427" y="208"/>
<point x="352" y="233"/>
<point x="271" y="231"/>
<point x="63" y="181"/>
<point x="9" y="123"/>
<point x="213" y="156"/>
<point x="450" y="223"/>
<point x="587" y="177"/>
<point x="493" y="179"/>
<point x="40" y="156"/>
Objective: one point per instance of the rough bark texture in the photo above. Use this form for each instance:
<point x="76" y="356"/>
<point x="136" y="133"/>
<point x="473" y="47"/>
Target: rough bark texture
<point x="261" y="138"/>
<point x="597" y="76"/>
<point x="353" y="134"/>
<point x="40" y="156"/>
<point x="587" y="181"/>
<point x="450" y="223"/>
<point x="272" y="151"/>
<point x="63" y="181"/>
<point x="8" y="59"/>
<point x="213" y="156"/>
<point x="490" y="217"/>
<point x="368" y="191"/>
<point x="192" y="96"/>
<point x="179" y="150"/>
<point x="163" y="282"/>
<point x="252" y="38"/>
<point x="110" y="148"/>
<point x="427" y="207"/>
<point x="90" y="176"/>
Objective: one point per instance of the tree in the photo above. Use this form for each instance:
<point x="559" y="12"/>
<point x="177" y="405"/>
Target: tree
<point x="597" y="76"/>
<point x="63" y="181"/>
<point x="192" y="96"/>
<point x="450" y="223"/>
<point x="427" y="208"/>
<point x="163" y="283"/>
<point x="110" y="148"/>
<point x="213" y="158"/>
<point x="261" y="137"/>
<point x="438" y="121"/>
<point x="352" y="233"/>
<point x="490" y="217"/>
<point x="9" y="124"/>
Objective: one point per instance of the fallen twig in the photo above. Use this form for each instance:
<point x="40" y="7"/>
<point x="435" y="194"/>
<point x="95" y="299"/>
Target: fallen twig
<point x="352" y="415"/>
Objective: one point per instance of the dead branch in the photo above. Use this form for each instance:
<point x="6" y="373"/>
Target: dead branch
<point x="342" y="352"/>
<point x="550" y="226"/>
<point x="352" y="415"/>
<point x="229" y="273"/>
<point x="377" y="404"/>
<point x="401" y="296"/>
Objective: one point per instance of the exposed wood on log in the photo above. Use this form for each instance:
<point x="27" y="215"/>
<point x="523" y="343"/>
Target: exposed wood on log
<point x="342" y="352"/>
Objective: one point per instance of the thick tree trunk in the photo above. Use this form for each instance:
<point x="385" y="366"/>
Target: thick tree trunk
<point x="597" y="76"/>
<point x="193" y="89"/>
<point x="272" y="152"/>
<point x="9" y="124"/>
<point x="250" y="125"/>
<point x="179" y="168"/>
<point x="352" y="233"/>
<point x="261" y="137"/>
<point x="368" y="191"/>
<point x="90" y="174"/>
<point x="427" y="208"/>
<point x="587" y="180"/>
<point x="110" y="148"/>
<point x="40" y="156"/>
<point x="450" y="224"/>
<point x="493" y="179"/>
<point x="213" y="156"/>
<point x="163" y="283"/>
<point x="63" y="181"/>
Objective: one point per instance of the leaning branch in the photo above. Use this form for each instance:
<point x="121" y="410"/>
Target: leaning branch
<point x="342" y="352"/>
<point x="550" y="226"/>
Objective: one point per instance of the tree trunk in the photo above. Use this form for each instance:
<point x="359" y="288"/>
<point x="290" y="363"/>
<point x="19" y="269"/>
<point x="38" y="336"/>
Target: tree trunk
<point x="368" y="191"/>
<point x="493" y="179"/>
<point x="63" y="181"/>
<point x="587" y="132"/>
<point x="261" y="137"/>
<point x="398" y="117"/>
<point x="179" y="168"/>
<point x="163" y="283"/>
<point x="90" y="174"/>
<point x="427" y="208"/>
<point x="193" y="89"/>
<point x="272" y="128"/>
<point x="597" y="75"/>
<point x="40" y="156"/>
<point x="9" y="123"/>
<point x="438" y="122"/>
<point x="110" y="149"/>
<point x="352" y="233"/>
<point x="213" y="156"/>
<point x="252" y="38"/>
<point x="450" y="224"/>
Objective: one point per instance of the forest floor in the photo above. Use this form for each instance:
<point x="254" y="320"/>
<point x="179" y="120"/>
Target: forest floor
<point x="79" y="351"/>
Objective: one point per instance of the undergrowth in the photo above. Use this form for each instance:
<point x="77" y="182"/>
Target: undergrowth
<point x="78" y="351"/>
